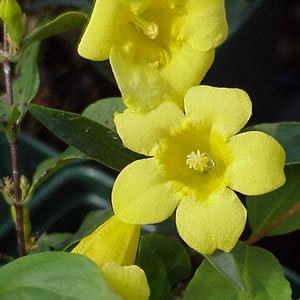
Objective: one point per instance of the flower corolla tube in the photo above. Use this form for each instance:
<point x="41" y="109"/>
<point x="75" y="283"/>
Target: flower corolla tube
<point x="198" y="161"/>
<point x="112" y="247"/>
<point x="152" y="43"/>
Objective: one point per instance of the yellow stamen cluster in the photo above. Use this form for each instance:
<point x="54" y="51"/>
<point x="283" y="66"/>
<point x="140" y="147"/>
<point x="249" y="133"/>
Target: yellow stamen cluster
<point x="198" y="161"/>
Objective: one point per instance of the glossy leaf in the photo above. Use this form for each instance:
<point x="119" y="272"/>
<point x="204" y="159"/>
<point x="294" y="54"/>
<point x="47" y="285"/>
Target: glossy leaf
<point x="53" y="275"/>
<point x="287" y="134"/>
<point x="27" y="81"/>
<point x="90" y="223"/>
<point x="226" y="265"/>
<point x="165" y="262"/>
<point x="91" y="138"/>
<point x="51" y="165"/>
<point x="263" y="210"/>
<point x="103" y="111"/>
<point x="63" y="23"/>
<point x="261" y="273"/>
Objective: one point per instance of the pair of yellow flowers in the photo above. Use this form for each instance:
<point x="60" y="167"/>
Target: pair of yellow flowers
<point x="159" y="51"/>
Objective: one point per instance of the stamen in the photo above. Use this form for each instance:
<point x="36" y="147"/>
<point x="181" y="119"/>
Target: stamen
<point x="200" y="161"/>
<point x="150" y="29"/>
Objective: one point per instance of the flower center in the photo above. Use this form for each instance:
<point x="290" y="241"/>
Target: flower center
<point x="200" y="161"/>
<point x="150" y="29"/>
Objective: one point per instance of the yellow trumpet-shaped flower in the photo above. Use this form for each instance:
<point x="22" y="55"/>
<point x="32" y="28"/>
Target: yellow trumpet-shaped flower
<point x="157" y="48"/>
<point x="112" y="247"/>
<point x="198" y="159"/>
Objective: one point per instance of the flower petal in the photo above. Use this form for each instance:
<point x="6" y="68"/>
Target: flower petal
<point x="142" y="195"/>
<point x="144" y="85"/>
<point x="141" y="84"/>
<point x="257" y="163"/>
<point x="104" y="29"/>
<point x="112" y="241"/>
<point x="215" y="223"/>
<point x="145" y="132"/>
<point x="225" y="110"/>
<point x="186" y="68"/>
<point x="204" y="27"/>
<point x="129" y="282"/>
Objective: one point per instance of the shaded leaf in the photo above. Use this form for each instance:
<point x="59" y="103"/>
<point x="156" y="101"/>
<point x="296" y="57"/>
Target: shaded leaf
<point x="27" y="82"/>
<point x="40" y="4"/>
<point x="103" y="111"/>
<point x="50" y="241"/>
<point x="287" y="134"/>
<point x="91" y="138"/>
<point x="53" y="275"/>
<point x="165" y="262"/>
<point x="63" y="23"/>
<point x="261" y="273"/>
<point x="263" y="210"/>
<point x="89" y="224"/>
<point x="226" y="265"/>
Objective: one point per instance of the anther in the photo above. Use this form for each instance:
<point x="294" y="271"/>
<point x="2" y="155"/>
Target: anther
<point x="200" y="161"/>
<point x="150" y="29"/>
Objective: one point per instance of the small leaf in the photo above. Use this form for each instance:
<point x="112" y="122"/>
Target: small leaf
<point x="90" y="223"/>
<point x="63" y="23"/>
<point x="263" y="210"/>
<point x="54" y="275"/>
<point x="165" y="262"/>
<point x="226" y="265"/>
<point x="27" y="81"/>
<point x="103" y="111"/>
<point x="261" y="273"/>
<point x="11" y="15"/>
<point x="91" y="138"/>
<point x="287" y="134"/>
<point x="8" y="115"/>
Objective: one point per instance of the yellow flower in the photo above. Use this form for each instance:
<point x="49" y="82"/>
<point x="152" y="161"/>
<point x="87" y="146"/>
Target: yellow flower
<point x="197" y="163"/>
<point x="112" y="247"/>
<point x="157" y="48"/>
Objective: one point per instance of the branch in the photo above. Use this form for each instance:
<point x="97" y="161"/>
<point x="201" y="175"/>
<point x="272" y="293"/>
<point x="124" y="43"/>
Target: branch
<point x="13" y="150"/>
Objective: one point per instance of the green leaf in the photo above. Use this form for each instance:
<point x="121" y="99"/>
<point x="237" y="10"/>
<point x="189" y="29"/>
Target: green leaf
<point x="226" y="265"/>
<point x="27" y="81"/>
<point x="91" y="138"/>
<point x="263" y="210"/>
<point x="51" y="165"/>
<point x="11" y="14"/>
<point x="165" y="262"/>
<point x="50" y="241"/>
<point x="63" y="23"/>
<point x="54" y="275"/>
<point x="8" y="115"/>
<point x="90" y="223"/>
<point x="287" y="134"/>
<point x="261" y="274"/>
<point x="103" y="111"/>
